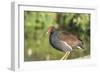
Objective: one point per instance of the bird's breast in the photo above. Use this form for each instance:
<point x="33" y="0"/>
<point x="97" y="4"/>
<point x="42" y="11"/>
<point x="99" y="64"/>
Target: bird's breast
<point x="58" y="44"/>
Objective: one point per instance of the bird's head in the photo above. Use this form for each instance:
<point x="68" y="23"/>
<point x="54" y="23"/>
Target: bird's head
<point x="51" y="29"/>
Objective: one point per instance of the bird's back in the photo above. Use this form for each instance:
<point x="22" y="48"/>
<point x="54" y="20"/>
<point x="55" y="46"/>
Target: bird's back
<point x="70" y="39"/>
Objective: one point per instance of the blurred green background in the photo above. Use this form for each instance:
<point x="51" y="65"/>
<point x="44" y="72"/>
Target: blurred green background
<point x="36" y="42"/>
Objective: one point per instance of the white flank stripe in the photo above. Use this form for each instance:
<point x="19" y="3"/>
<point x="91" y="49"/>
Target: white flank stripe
<point x="67" y="45"/>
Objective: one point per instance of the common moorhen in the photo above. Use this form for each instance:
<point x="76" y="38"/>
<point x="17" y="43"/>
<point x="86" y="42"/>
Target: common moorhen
<point x="63" y="41"/>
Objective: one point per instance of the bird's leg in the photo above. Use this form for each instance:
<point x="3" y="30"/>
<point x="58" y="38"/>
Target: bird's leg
<point x="66" y="55"/>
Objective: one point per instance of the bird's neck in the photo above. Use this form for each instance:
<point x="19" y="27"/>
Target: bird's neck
<point x="54" y="35"/>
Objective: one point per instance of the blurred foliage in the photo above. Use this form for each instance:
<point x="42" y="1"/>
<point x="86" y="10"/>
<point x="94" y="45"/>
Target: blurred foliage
<point x="36" y="43"/>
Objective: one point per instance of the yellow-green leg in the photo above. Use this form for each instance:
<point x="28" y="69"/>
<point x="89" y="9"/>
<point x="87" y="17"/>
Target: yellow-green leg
<point x="66" y="55"/>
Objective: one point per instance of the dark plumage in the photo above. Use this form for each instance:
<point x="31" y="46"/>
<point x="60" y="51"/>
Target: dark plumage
<point x="63" y="41"/>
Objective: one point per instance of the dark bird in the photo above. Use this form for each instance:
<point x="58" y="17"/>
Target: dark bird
<point x="63" y="41"/>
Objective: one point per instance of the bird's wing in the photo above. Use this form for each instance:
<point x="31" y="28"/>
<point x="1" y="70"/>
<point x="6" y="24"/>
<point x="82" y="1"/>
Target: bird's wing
<point x="63" y="46"/>
<point x="70" y="39"/>
<point x="66" y="46"/>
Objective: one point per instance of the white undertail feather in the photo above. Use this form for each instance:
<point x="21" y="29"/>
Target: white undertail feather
<point x="79" y="47"/>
